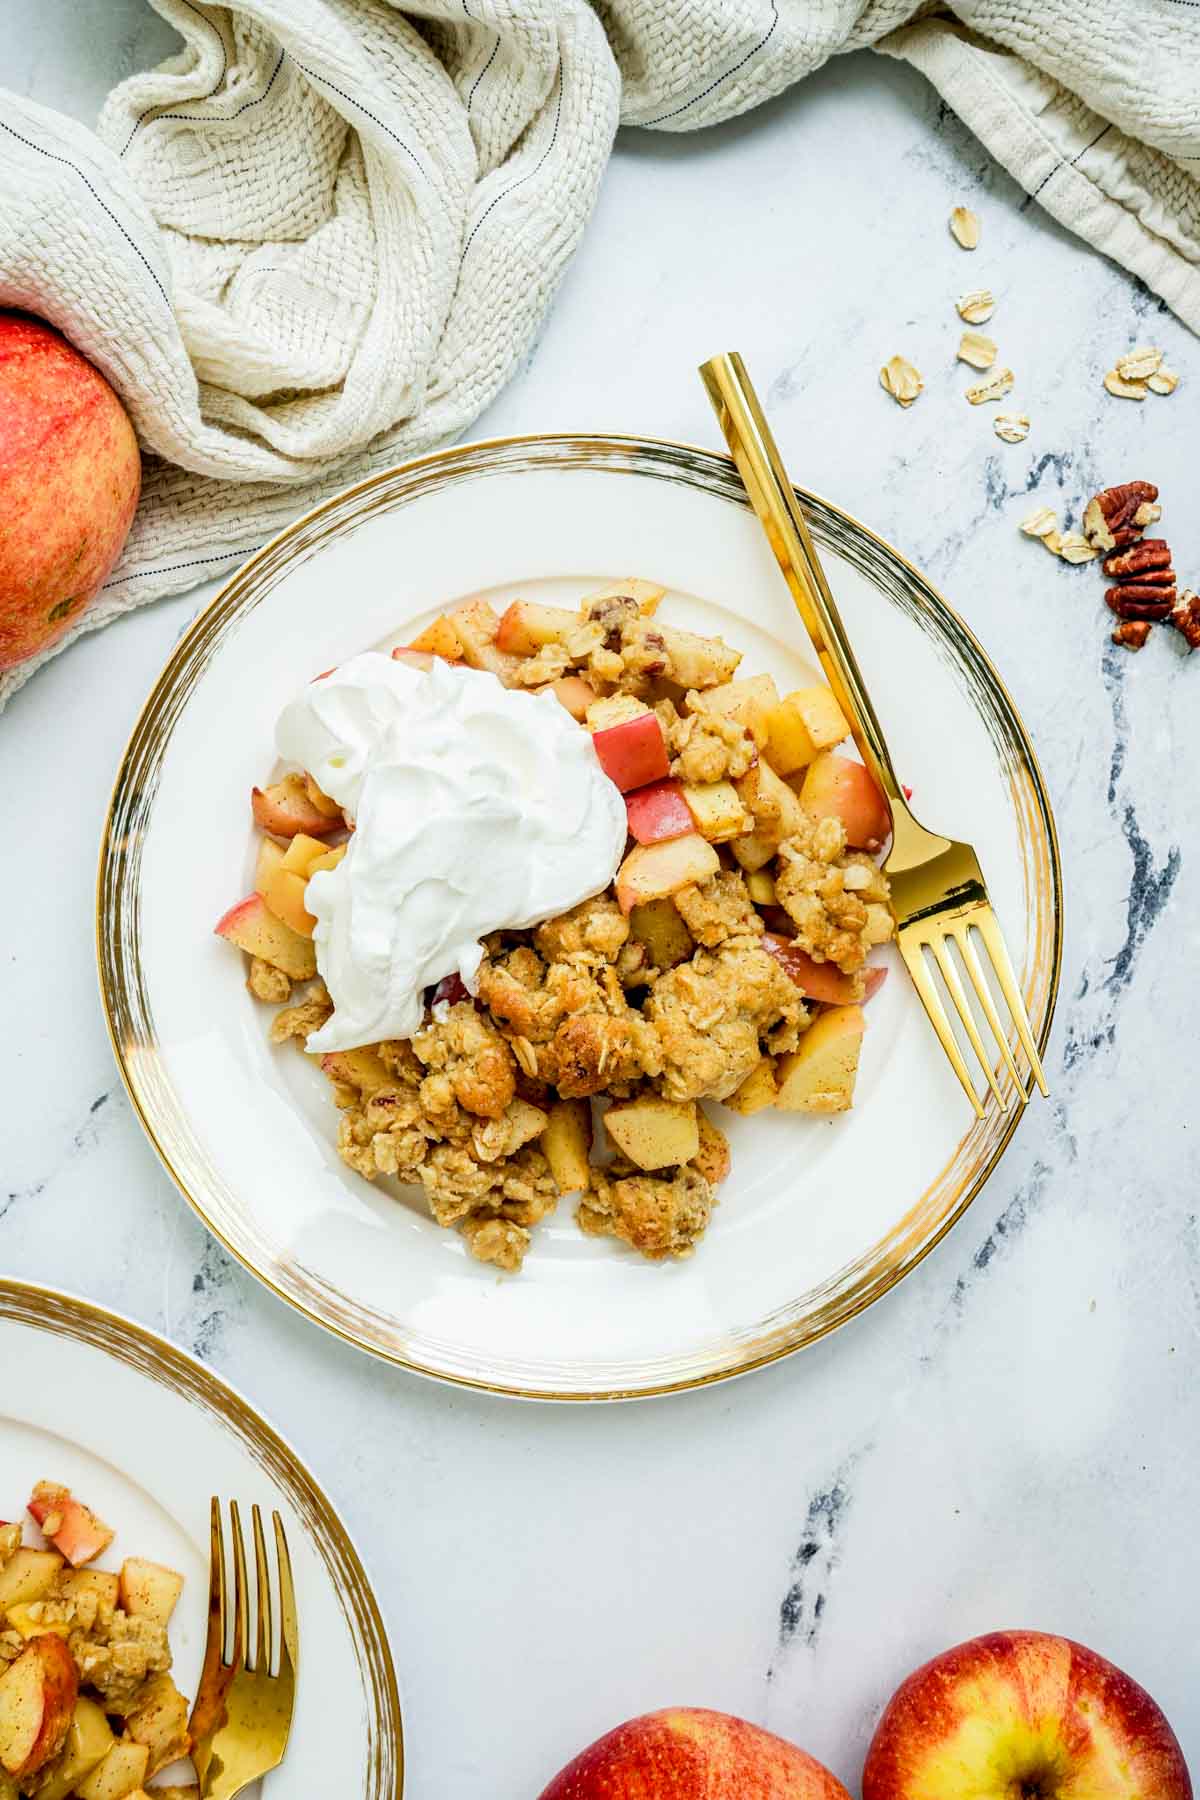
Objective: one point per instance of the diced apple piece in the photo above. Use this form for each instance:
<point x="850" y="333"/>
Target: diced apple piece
<point x="615" y="709"/>
<point x="835" y="787"/>
<point x="302" y="853"/>
<point x="576" y="694"/>
<point x="634" y="753"/>
<point x="439" y="639"/>
<point x="270" y="858"/>
<point x="73" y="1529"/>
<point x="760" y="885"/>
<point x="37" y="1699"/>
<point x="284" y="895"/>
<point x="757" y="1091"/>
<point x="716" y="809"/>
<point x="652" y="870"/>
<point x="285" y="808"/>
<point x="776" y="812"/>
<point x="652" y="1132"/>
<point x="26" y="1618"/>
<point x="476" y="624"/>
<point x="647" y="594"/>
<point x="712" y="1160"/>
<point x="822" y="981"/>
<point x="89" y="1739"/>
<point x="804" y="723"/>
<point x="566" y="1142"/>
<point x="819" y="1077"/>
<point x="100" y="1582"/>
<point x="657" y="812"/>
<point x="254" y="928"/>
<point x="525" y="628"/>
<point x="160" y="1723"/>
<point x="359" y="1069"/>
<point x="697" y="662"/>
<point x="659" y="926"/>
<point x="329" y="809"/>
<point x="874" y="978"/>
<point x="148" y="1590"/>
<point x="10" y="1541"/>
<point x="329" y="860"/>
<point x="28" y="1575"/>
<point x="118" y="1775"/>
<point x="750" y="702"/>
<point x="416" y="659"/>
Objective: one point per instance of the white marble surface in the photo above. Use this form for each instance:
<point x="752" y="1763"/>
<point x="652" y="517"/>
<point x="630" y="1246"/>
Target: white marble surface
<point x="1009" y="1438"/>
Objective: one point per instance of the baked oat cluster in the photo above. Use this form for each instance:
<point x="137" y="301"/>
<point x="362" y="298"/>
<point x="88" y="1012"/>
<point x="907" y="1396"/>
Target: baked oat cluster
<point x="727" y="962"/>
<point x="87" y="1704"/>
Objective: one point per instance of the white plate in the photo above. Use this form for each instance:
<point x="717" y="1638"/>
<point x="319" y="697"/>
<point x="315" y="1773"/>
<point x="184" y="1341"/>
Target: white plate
<point x="146" y="1435"/>
<point x="819" y="1216"/>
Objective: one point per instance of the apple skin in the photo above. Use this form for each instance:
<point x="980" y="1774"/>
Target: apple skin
<point x="686" y="1753"/>
<point x="70" y="475"/>
<point x="1023" y="1711"/>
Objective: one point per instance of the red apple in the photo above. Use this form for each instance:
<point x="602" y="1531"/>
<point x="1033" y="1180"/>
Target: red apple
<point x="287" y="807"/>
<point x="37" y="1698"/>
<point x="576" y="694"/>
<point x="658" y="811"/>
<point x="818" y="980"/>
<point x="875" y="977"/>
<point x="1020" y="1713"/>
<point x="633" y="752"/>
<point x="417" y="659"/>
<point x="835" y="786"/>
<point x="688" y="1754"/>
<point x="254" y="928"/>
<point x="525" y="627"/>
<point x="70" y="474"/>
<point x="71" y="1527"/>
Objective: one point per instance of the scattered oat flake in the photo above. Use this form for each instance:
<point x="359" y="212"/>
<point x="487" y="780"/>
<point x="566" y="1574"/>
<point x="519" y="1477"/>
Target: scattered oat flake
<point x="1012" y="427"/>
<point x="977" y="306"/>
<point x="965" y="227"/>
<point x="1073" y="547"/>
<point x="902" y="381"/>
<point x="976" y="349"/>
<point x="1124" y="390"/>
<point x="994" y="388"/>
<point x="1163" y="381"/>
<point x="1040" y="521"/>
<point x="1138" y="364"/>
<point x="1053" y="541"/>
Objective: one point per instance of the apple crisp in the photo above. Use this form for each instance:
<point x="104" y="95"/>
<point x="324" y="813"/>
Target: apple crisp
<point x="741" y="918"/>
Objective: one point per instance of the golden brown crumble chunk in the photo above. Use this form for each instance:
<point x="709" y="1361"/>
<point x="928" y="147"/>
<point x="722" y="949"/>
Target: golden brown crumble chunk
<point x="467" y="1048"/>
<point x="659" y="1215"/>
<point x="708" y="746"/>
<point x="835" y="901"/>
<point x="719" y="908"/>
<point x="710" y="1015"/>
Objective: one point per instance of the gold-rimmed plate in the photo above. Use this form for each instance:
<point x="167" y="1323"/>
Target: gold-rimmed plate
<point x="819" y="1217"/>
<point x="145" y="1434"/>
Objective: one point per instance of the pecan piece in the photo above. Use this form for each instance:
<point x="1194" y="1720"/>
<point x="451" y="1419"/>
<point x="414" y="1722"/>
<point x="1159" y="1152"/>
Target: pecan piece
<point x="1185" y="617"/>
<point x="1150" y="558"/>
<point x="1140" y="602"/>
<point x="1118" y="515"/>
<point x="1132" y="633"/>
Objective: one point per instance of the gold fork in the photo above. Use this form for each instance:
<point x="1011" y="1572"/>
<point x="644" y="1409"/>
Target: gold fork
<point x="938" y="892"/>
<point x="243" y="1711"/>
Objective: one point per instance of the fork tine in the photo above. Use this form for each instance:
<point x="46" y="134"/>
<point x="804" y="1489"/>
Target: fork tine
<point x="239" y="1587"/>
<point x="289" y="1652"/>
<point x="910" y="949"/>
<point x="217" y="1615"/>
<point x="984" y="920"/>
<point x="962" y="937"/>
<point x="265" y="1636"/>
<point x="957" y="993"/>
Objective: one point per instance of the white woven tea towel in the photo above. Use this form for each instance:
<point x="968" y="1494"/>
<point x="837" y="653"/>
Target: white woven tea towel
<point x="321" y="237"/>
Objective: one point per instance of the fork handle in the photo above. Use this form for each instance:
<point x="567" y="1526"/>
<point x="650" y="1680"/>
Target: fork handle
<point x="774" y="500"/>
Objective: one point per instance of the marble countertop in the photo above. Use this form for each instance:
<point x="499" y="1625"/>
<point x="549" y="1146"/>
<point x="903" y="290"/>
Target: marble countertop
<point x="1010" y="1437"/>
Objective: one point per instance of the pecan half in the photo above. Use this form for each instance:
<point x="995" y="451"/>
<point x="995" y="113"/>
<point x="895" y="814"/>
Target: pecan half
<point x="1132" y="633"/>
<point x="1140" y="602"/>
<point x="1151" y="557"/>
<point x="1185" y="617"/>
<point x="1117" y="516"/>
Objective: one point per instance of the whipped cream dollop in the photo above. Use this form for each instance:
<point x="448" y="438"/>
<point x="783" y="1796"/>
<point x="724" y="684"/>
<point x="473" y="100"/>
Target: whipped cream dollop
<point x="475" y="809"/>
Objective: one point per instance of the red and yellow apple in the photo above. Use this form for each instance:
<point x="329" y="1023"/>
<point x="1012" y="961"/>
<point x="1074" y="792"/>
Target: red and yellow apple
<point x="70" y="474"/>
<point x="37" y="1698"/>
<point x="634" y="752"/>
<point x="288" y="806"/>
<point x="73" y="1529"/>
<point x="1020" y="1715"/>
<point x="658" y="811"/>
<point x="822" y="981"/>
<point x="835" y="785"/>
<point x="686" y="1753"/>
